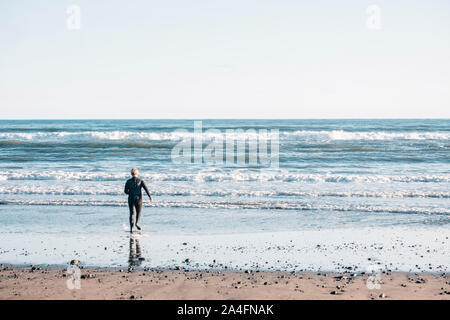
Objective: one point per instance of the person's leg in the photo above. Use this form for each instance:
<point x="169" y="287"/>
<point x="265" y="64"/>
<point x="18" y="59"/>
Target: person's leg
<point x="138" y="212"/>
<point x="131" y="207"/>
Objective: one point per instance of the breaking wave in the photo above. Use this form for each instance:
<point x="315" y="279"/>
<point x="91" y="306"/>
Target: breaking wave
<point x="324" y="135"/>
<point x="220" y="176"/>
<point x="84" y="190"/>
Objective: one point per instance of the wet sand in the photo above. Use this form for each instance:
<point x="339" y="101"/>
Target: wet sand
<point x="51" y="283"/>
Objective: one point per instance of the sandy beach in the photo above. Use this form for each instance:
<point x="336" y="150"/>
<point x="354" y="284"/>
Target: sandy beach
<point x="34" y="282"/>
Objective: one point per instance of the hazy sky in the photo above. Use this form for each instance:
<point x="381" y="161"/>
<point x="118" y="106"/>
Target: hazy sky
<point x="224" y="59"/>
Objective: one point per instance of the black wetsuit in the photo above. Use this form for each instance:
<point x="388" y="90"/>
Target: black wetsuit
<point x="133" y="188"/>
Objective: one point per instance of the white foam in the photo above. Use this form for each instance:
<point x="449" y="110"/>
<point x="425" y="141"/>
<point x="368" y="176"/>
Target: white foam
<point x="81" y="189"/>
<point x="219" y="176"/>
<point x="369" y="135"/>
<point x="121" y="135"/>
<point x="266" y="205"/>
<point x="325" y="135"/>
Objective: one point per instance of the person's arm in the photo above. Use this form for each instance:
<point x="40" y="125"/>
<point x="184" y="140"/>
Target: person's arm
<point x="127" y="188"/>
<point x="146" y="190"/>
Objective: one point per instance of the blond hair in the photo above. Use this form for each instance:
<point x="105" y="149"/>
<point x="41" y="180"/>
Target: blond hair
<point x="134" y="172"/>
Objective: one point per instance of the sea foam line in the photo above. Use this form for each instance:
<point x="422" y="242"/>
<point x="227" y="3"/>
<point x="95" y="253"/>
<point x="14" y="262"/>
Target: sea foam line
<point x="84" y="190"/>
<point x="322" y="135"/>
<point x="220" y="176"/>
<point x="265" y="205"/>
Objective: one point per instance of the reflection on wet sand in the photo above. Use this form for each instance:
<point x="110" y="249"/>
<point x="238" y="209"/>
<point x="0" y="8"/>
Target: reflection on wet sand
<point x="135" y="258"/>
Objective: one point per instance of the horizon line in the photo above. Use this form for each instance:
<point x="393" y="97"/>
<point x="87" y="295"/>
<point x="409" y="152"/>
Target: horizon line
<point x="200" y="118"/>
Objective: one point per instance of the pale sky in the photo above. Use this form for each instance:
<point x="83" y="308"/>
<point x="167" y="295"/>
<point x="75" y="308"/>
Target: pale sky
<point x="224" y="59"/>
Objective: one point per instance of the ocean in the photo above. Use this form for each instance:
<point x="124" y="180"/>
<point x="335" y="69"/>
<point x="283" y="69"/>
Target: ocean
<point x="341" y="193"/>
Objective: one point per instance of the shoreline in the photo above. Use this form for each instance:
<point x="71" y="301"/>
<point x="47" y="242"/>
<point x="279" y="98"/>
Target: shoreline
<point x="50" y="282"/>
<point x="183" y="267"/>
<point x="393" y="249"/>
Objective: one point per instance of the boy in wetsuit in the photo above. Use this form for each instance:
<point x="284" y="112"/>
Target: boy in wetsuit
<point x="133" y="188"/>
